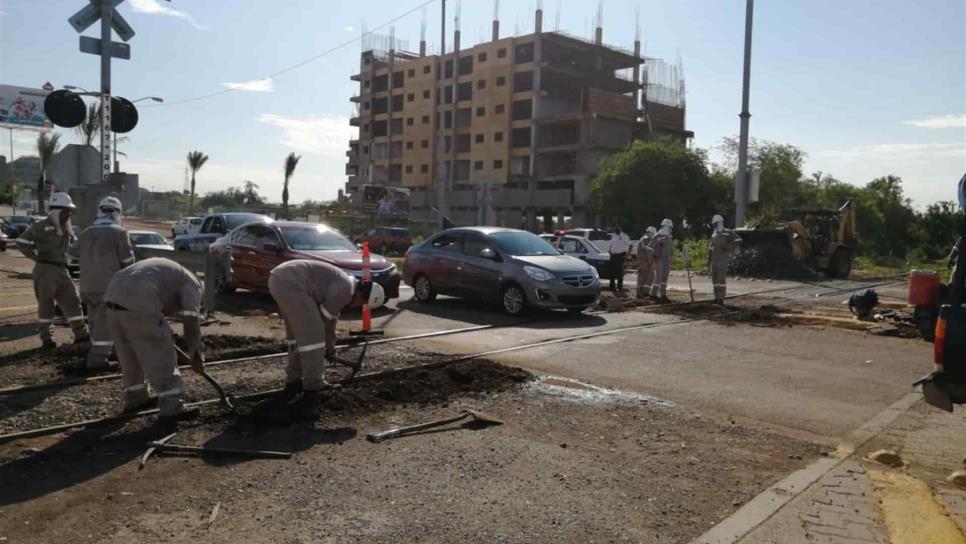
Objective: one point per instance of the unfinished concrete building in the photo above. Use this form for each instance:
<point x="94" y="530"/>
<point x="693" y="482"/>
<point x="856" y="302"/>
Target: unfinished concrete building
<point x="509" y="132"/>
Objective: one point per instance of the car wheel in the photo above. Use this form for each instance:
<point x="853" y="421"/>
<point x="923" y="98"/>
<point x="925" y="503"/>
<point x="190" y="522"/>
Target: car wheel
<point x="514" y="301"/>
<point x="423" y="289"/>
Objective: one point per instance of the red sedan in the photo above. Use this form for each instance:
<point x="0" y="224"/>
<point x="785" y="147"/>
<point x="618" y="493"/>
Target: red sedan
<point x="257" y="248"/>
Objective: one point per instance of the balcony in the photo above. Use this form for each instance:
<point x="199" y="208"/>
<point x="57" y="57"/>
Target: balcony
<point x="355" y="98"/>
<point x="355" y="121"/>
<point x="356" y="77"/>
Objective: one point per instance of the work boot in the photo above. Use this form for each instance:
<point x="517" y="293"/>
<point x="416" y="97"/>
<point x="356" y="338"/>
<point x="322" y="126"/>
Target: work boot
<point x="292" y="390"/>
<point x="137" y="402"/>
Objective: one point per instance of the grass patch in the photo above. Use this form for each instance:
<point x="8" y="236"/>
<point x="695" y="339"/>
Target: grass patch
<point x="865" y="266"/>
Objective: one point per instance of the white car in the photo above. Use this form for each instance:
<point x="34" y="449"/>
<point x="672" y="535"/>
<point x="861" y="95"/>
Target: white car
<point x="187" y="225"/>
<point x="600" y="238"/>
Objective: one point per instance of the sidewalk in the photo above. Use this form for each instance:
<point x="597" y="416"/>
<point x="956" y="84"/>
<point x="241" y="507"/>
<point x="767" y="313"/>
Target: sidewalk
<point x="859" y="500"/>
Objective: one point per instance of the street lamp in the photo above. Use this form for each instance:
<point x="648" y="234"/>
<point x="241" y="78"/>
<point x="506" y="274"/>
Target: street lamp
<point x="85" y="92"/>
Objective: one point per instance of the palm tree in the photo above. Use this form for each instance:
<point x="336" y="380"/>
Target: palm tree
<point x="290" y="163"/>
<point x="88" y="130"/>
<point x="196" y="159"/>
<point x="47" y="145"/>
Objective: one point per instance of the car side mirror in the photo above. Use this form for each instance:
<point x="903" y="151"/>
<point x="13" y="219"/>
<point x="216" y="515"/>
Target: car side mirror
<point x="271" y="248"/>
<point x="488" y="253"/>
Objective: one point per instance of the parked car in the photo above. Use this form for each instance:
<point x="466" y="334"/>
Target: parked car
<point x="386" y="239"/>
<point x="147" y="240"/>
<point x="585" y="250"/>
<point x="513" y="266"/>
<point x="600" y="238"/>
<point x="186" y="225"/>
<point x="3" y="241"/>
<point x="256" y="248"/>
<point x="15" y="225"/>
<point x="214" y="227"/>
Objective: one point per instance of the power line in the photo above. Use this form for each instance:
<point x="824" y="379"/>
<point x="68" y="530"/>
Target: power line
<point x="298" y="64"/>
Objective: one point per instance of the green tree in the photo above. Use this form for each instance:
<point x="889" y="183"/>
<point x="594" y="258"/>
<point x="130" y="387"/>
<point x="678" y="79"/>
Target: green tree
<point x="88" y="130"/>
<point x="940" y="224"/>
<point x="196" y="159"/>
<point x="290" y="163"/>
<point x="639" y="187"/>
<point x="47" y="145"/>
<point x="250" y="196"/>
<point x="780" y="175"/>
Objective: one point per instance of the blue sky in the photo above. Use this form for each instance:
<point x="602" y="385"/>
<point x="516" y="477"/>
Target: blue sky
<point x="864" y="87"/>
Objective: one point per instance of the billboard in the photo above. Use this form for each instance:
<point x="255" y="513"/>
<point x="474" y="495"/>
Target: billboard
<point x="385" y="200"/>
<point x="23" y="107"/>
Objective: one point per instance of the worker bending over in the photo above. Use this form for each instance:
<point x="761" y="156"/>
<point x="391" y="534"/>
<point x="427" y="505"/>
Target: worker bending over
<point x="103" y="249"/>
<point x="310" y="297"/>
<point x="662" y="245"/>
<point x="719" y="253"/>
<point x="645" y="263"/>
<point x="46" y="243"/>
<point x="138" y="299"/>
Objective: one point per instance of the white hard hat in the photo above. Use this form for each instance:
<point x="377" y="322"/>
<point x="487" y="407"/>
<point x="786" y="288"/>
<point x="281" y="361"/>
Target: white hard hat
<point x="60" y="200"/>
<point x="717" y="219"/>
<point x="377" y="297"/>
<point x="110" y="202"/>
<point x="651" y="230"/>
<point x="667" y="223"/>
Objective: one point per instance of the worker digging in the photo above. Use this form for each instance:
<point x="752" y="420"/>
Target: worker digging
<point x="663" y="250"/>
<point x="139" y="298"/>
<point x="46" y="243"/>
<point x="103" y="248"/>
<point x="723" y="242"/>
<point x="311" y="296"/>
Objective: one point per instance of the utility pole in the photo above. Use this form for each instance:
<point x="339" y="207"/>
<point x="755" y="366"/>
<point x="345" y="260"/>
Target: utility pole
<point x="741" y="181"/>
<point x="107" y="12"/>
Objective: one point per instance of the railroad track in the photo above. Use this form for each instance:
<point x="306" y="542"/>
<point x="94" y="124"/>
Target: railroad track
<point x="217" y="365"/>
<point x="436" y="364"/>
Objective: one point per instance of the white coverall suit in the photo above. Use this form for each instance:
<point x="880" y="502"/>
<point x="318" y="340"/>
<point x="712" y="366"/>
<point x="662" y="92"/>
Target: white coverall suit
<point x="662" y="245"/>
<point x="138" y="298"/>
<point x="645" y="266"/>
<point x="103" y="249"/>
<point x="46" y="243"/>
<point x="722" y="246"/>
<point x="310" y="297"/>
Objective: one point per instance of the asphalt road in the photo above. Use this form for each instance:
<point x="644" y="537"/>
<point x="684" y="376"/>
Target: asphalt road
<point x="819" y="382"/>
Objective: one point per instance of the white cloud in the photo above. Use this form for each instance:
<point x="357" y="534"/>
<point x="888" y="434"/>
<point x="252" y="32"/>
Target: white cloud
<point x="324" y="135"/>
<point x="155" y="7"/>
<point x="349" y="29"/>
<point x="950" y="120"/>
<point x="254" y="85"/>
<point x="898" y="152"/>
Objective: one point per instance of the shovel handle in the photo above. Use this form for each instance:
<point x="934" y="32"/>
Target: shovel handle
<point x="380" y="436"/>
<point x="224" y="451"/>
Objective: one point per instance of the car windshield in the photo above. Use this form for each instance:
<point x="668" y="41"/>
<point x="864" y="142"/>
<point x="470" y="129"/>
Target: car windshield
<point x="316" y="239"/>
<point x="235" y="219"/>
<point x="523" y="244"/>
<point x="147" y="239"/>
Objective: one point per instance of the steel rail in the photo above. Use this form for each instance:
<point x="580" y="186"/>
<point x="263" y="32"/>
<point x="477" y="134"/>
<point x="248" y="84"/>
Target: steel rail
<point x="394" y="371"/>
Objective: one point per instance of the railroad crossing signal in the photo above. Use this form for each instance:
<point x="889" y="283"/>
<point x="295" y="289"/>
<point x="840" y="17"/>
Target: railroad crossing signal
<point x="91" y="13"/>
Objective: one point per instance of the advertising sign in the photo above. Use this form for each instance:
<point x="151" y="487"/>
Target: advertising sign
<point x="23" y="107"/>
<point x="385" y="200"/>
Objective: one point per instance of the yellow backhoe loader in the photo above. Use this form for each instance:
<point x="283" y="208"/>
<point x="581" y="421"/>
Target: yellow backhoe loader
<point x="821" y="238"/>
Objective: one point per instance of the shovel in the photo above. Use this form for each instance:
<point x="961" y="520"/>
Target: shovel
<point x="354" y="366"/>
<point x="476" y="415"/>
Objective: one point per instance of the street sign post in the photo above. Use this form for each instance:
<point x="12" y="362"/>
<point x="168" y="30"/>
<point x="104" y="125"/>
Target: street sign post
<point x="93" y="46"/>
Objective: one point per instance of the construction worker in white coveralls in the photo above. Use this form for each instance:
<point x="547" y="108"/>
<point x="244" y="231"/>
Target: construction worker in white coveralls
<point x="645" y="263"/>
<point x="46" y="243"/>
<point x="103" y="248"/>
<point x="311" y="295"/>
<point x="138" y="298"/>
<point x="723" y="243"/>
<point x="663" y="246"/>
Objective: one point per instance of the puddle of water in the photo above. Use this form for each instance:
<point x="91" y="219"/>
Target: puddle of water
<point x="576" y="390"/>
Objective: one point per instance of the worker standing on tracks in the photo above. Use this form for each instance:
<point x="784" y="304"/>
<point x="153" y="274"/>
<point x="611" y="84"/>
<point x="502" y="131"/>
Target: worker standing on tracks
<point x="719" y="253"/>
<point x="663" y="247"/>
<point x="103" y="249"/>
<point x="138" y="298"/>
<point x="620" y="242"/>
<point x="46" y="243"/>
<point x="310" y="297"/>
<point x="645" y="263"/>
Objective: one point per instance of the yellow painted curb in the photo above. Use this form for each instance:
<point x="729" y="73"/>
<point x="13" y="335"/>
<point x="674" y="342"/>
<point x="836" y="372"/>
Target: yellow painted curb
<point x="911" y="512"/>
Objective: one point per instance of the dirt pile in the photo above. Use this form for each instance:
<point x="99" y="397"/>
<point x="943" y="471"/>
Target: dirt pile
<point x="227" y="346"/>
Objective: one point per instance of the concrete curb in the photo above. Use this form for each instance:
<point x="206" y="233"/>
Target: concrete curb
<point x="767" y="503"/>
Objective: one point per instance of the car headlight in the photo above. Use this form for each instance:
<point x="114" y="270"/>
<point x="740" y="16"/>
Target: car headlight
<point x="594" y="272"/>
<point x="537" y="274"/>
